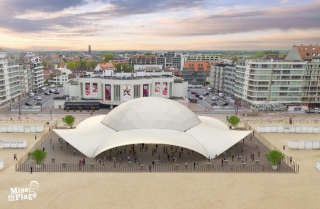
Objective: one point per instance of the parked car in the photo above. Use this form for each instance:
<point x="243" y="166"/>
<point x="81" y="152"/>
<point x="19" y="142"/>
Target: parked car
<point x="37" y="98"/>
<point x="52" y="90"/>
<point x="46" y="93"/>
<point x="192" y="92"/>
<point x="31" y="95"/>
<point x="39" y="104"/>
<point x="28" y="104"/>
<point x="215" y="98"/>
<point x="214" y="104"/>
<point x="224" y="104"/>
<point x="205" y="94"/>
<point x="201" y="97"/>
<point x="56" y="92"/>
<point x="197" y="95"/>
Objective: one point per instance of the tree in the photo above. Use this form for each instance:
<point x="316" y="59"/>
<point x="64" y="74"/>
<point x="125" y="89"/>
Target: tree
<point x="148" y="53"/>
<point x="71" y="64"/>
<point x="274" y="157"/>
<point x="68" y="120"/>
<point x="260" y="55"/>
<point x="233" y="120"/>
<point x="38" y="156"/>
<point x="108" y="57"/>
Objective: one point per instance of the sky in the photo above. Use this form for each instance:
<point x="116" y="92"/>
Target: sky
<point x="158" y="24"/>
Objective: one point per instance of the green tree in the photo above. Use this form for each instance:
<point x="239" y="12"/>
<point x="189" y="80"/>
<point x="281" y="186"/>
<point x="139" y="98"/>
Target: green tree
<point x="71" y="64"/>
<point x="44" y="64"/>
<point x="274" y="157"/>
<point x="260" y="55"/>
<point x="271" y="52"/>
<point x="108" y="57"/>
<point x="69" y="120"/>
<point x="38" y="156"/>
<point x="233" y="120"/>
<point x="148" y="53"/>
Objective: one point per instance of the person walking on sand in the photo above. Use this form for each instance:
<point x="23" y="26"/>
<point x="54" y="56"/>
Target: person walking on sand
<point x="284" y="147"/>
<point x="35" y="137"/>
<point x="15" y="157"/>
<point x="149" y="168"/>
<point x="31" y="170"/>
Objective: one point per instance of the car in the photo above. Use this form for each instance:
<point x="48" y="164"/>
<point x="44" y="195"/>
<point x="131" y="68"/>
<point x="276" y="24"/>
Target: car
<point x="224" y="104"/>
<point x="52" y="91"/>
<point x="39" y="104"/>
<point x="214" y="104"/>
<point x="197" y="95"/>
<point x="28" y="104"/>
<point x="37" y="98"/>
<point x="215" y="98"/>
<point x="192" y="92"/>
<point x="56" y="92"/>
<point x="60" y="86"/>
<point x="201" y="97"/>
<point x="205" y="94"/>
<point x="46" y="93"/>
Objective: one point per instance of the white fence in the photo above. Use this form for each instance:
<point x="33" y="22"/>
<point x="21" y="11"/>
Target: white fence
<point x="298" y="144"/>
<point x="18" y="143"/>
<point x="289" y="129"/>
<point x="21" y="129"/>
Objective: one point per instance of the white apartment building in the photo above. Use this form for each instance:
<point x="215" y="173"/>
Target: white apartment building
<point x="61" y="75"/>
<point x="222" y="78"/>
<point x="37" y="79"/>
<point x="269" y="82"/>
<point x="10" y="82"/>
<point x="203" y="57"/>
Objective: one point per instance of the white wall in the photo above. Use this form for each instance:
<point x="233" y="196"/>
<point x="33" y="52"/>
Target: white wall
<point x="180" y="89"/>
<point x="59" y="102"/>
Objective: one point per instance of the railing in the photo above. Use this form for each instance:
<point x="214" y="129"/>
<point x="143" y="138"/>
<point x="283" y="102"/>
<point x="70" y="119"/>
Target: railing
<point x="270" y="146"/>
<point x="35" y="146"/>
<point x="175" y="168"/>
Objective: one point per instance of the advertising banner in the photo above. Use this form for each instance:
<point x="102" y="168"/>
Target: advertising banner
<point x="95" y="90"/>
<point x="126" y="93"/>
<point x="165" y="89"/>
<point x="157" y="89"/>
<point x="87" y="87"/>
<point x="145" y="90"/>
<point x="107" y="94"/>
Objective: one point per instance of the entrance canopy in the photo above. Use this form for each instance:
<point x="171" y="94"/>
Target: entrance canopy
<point x="152" y="121"/>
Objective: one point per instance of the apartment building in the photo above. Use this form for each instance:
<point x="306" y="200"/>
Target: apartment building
<point x="196" y="72"/>
<point x="10" y="82"/>
<point x="203" y="57"/>
<point x="37" y="79"/>
<point x="311" y="85"/>
<point x="223" y="78"/>
<point x="268" y="81"/>
<point x="143" y="59"/>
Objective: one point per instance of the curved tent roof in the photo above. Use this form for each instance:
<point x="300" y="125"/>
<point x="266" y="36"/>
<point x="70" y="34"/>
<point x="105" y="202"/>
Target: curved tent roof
<point x="154" y="121"/>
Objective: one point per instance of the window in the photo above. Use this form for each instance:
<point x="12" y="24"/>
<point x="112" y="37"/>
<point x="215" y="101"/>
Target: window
<point x="136" y="91"/>
<point x="116" y="92"/>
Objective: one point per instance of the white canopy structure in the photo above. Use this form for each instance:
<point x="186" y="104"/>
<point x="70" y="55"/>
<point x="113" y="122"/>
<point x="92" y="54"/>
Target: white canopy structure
<point x="152" y="120"/>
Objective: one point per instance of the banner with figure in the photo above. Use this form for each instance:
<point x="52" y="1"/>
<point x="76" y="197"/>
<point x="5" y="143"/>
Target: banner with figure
<point x="157" y="89"/>
<point x="145" y="90"/>
<point x="87" y="87"/>
<point x="95" y="90"/>
<point x="165" y="89"/>
<point x="126" y="93"/>
<point x="107" y="94"/>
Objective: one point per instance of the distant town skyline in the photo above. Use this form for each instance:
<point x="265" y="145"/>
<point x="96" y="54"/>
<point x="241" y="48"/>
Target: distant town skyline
<point x="158" y="25"/>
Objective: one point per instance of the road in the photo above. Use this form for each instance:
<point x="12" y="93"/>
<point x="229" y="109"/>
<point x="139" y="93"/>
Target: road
<point x="206" y="102"/>
<point x="47" y="101"/>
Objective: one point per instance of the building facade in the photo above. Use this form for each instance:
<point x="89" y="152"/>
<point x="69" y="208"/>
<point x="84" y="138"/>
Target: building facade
<point x="311" y="83"/>
<point x="203" y="57"/>
<point x="196" y="72"/>
<point x="223" y="78"/>
<point x="10" y="81"/>
<point x="114" y="91"/>
<point x="266" y="81"/>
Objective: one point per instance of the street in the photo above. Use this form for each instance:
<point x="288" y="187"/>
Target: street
<point x="207" y="101"/>
<point x="47" y="101"/>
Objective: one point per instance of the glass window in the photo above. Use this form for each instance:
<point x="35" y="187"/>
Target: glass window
<point x="116" y="92"/>
<point x="136" y="91"/>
